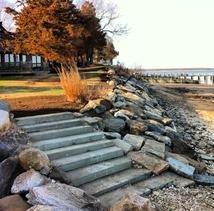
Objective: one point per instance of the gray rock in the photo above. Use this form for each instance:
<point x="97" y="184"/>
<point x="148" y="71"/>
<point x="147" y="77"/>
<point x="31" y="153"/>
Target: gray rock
<point x="114" y="125"/>
<point x="62" y="196"/>
<point x="4" y="106"/>
<point x="204" y="179"/>
<point x="126" y="147"/>
<point x="112" y="135"/>
<point x="181" y="168"/>
<point x="134" y="98"/>
<point x="155" y="148"/>
<point x="45" y="208"/>
<point x="159" y="137"/>
<point x="28" y="180"/>
<point x="125" y="112"/>
<point x="136" y="141"/>
<point x="119" y="104"/>
<point x="9" y="170"/>
<point x="59" y="175"/>
<point x="36" y="159"/>
<point x="154" y="116"/>
<point x="155" y="126"/>
<point x="98" y="106"/>
<point x="4" y="120"/>
<point x="122" y="116"/>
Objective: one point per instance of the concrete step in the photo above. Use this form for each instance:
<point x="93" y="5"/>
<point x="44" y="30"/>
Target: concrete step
<point x="111" y="183"/>
<point x="51" y="134"/>
<point x="82" y="160"/>
<point x="52" y="125"/>
<point x="68" y="141"/>
<point x="78" y="149"/>
<point x="44" y="118"/>
<point x="94" y="172"/>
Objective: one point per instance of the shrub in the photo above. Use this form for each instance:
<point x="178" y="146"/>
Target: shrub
<point x="77" y="89"/>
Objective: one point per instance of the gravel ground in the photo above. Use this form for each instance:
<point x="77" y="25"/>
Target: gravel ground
<point x="184" y="199"/>
<point x="197" y="133"/>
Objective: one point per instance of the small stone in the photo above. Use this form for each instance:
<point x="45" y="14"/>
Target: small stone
<point x="136" y="141"/>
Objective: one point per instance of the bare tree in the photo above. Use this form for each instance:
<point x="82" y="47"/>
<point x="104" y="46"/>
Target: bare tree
<point x="107" y="12"/>
<point x="5" y="18"/>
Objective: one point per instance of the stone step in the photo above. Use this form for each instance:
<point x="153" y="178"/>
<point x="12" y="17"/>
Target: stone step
<point x="68" y="141"/>
<point x="94" y="172"/>
<point x="51" y="134"/>
<point x="44" y="118"/>
<point x="88" y="158"/>
<point x="78" y="149"/>
<point x="52" y="125"/>
<point x="111" y="183"/>
<point x="143" y="188"/>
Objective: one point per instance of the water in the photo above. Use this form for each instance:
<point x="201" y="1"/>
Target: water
<point x="180" y="72"/>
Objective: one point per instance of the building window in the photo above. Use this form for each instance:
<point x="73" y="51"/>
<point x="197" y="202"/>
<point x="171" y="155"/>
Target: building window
<point x="24" y="58"/>
<point x="36" y="61"/>
<point x="9" y="58"/>
<point x="17" y="60"/>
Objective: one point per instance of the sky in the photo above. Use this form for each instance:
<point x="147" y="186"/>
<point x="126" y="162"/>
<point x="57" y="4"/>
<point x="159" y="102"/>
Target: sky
<point x="166" y="33"/>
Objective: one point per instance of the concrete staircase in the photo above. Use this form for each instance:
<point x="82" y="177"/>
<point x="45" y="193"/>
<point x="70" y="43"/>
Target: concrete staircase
<point x="92" y="162"/>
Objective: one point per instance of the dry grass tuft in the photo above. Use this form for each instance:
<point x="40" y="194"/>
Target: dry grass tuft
<point x="79" y="90"/>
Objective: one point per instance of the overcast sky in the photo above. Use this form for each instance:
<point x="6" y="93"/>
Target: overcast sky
<point x="167" y="33"/>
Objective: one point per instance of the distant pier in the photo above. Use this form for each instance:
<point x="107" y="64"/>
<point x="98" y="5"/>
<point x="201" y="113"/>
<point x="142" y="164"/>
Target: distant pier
<point x="190" y="75"/>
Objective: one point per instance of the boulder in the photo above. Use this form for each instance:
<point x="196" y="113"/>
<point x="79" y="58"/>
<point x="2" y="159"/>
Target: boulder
<point x="155" y="126"/>
<point x="9" y="170"/>
<point x="114" y="125"/>
<point x="136" y="141"/>
<point x="4" y="120"/>
<point x="120" y="104"/>
<point x="45" y="208"/>
<point x="35" y="159"/>
<point x="13" y="203"/>
<point x="181" y="168"/>
<point x="132" y="202"/>
<point x="155" y="148"/>
<point x="134" y="98"/>
<point x="98" y="106"/>
<point x="159" y="137"/>
<point x="62" y="196"/>
<point x="28" y="180"/>
<point x="11" y="141"/>
<point x="137" y="127"/>
<point x="4" y="106"/>
<point x="149" y="161"/>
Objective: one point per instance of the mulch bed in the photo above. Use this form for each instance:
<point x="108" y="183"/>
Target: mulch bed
<point x="28" y="106"/>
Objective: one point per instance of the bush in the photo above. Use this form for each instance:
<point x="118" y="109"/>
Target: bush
<point x="77" y="89"/>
